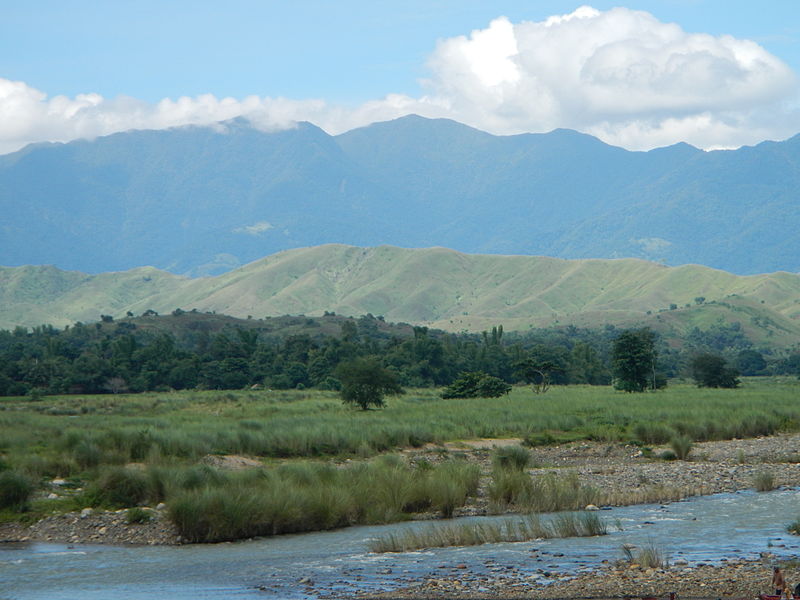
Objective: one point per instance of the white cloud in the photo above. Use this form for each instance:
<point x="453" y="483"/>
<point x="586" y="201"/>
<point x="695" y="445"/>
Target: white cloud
<point x="621" y="75"/>
<point x="256" y="229"/>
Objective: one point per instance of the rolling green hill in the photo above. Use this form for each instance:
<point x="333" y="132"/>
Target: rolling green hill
<point x="437" y="287"/>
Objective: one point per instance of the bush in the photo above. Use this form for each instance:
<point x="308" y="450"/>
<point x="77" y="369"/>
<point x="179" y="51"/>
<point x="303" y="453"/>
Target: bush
<point x="681" y="446"/>
<point x="15" y="490"/>
<point x="476" y="384"/>
<point x="511" y="457"/>
<point x="120" y="487"/>
<point x="764" y="481"/>
<point x="138" y="515"/>
<point x="87" y="454"/>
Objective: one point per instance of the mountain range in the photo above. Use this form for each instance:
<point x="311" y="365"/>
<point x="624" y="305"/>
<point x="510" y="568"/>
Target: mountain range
<point x="206" y="200"/>
<point x="435" y="286"/>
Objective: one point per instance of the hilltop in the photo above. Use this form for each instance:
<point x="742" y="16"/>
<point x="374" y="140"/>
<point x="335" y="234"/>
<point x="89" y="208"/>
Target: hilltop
<point x="435" y="287"/>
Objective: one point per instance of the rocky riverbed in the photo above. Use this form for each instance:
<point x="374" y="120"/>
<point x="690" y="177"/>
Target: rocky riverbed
<point x="735" y="580"/>
<point x="622" y="474"/>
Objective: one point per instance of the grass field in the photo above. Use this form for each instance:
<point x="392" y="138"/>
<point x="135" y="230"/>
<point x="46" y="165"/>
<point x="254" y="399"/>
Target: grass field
<point x="91" y="441"/>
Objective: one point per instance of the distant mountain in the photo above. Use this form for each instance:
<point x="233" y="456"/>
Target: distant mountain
<point x="203" y="200"/>
<point x="437" y="287"/>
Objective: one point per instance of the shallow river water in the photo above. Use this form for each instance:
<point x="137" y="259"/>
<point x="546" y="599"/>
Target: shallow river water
<point x="706" y="529"/>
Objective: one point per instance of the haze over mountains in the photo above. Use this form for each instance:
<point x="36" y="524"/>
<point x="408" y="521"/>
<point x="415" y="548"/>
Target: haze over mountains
<point x="436" y="286"/>
<point x="201" y="200"/>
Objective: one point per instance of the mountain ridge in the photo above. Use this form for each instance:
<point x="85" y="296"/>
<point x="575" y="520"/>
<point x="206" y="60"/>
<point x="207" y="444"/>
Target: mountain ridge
<point x="204" y="200"/>
<point x="437" y="287"/>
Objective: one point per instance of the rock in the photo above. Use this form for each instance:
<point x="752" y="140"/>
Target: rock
<point x="161" y="506"/>
<point x="102" y="530"/>
<point x="591" y="507"/>
<point x="58" y="482"/>
<point x="86" y="512"/>
<point x="52" y="496"/>
<point x="305" y="581"/>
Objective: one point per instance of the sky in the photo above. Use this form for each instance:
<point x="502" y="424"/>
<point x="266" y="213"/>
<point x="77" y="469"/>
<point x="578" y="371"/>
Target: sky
<point x="644" y="74"/>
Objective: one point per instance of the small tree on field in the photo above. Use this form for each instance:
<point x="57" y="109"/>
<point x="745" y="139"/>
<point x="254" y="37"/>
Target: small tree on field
<point x="710" y="370"/>
<point x="365" y="382"/>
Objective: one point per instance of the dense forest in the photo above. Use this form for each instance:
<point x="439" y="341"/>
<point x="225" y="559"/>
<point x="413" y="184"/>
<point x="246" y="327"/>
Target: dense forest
<point x="186" y="350"/>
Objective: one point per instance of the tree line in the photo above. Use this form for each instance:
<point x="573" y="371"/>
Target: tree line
<point x="175" y="352"/>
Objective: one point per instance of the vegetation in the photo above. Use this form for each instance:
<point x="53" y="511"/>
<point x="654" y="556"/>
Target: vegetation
<point x="764" y="481"/>
<point x="311" y="497"/>
<point x="476" y="385"/>
<point x="15" y="490"/>
<point x="681" y="445"/>
<point x="649" y="556"/>
<point x="511" y="458"/>
<point x="710" y="370"/>
<point x="90" y="441"/>
<point x="365" y="382"/>
<point x="634" y="361"/>
<point x="523" y="529"/>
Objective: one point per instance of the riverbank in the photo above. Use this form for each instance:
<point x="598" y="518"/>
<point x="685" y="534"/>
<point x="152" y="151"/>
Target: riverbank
<point x="744" y="579"/>
<point x="623" y="474"/>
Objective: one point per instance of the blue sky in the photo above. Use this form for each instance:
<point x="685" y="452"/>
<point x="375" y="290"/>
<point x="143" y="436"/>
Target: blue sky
<point x="129" y="56"/>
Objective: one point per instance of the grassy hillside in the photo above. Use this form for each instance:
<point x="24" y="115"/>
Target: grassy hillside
<point x="436" y="286"/>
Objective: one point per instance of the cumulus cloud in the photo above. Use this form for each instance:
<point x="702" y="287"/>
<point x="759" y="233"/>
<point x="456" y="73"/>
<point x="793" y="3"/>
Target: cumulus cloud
<point x="620" y="74"/>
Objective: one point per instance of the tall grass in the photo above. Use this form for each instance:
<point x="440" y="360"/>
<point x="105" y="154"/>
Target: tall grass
<point x="83" y="437"/>
<point x="313" y="497"/>
<point x="681" y="445"/>
<point x="649" y="556"/>
<point x="549" y="492"/>
<point x="511" y="457"/>
<point x="15" y="490"/>
<point x="523" y="529"/>
<point x="764" y="481"/>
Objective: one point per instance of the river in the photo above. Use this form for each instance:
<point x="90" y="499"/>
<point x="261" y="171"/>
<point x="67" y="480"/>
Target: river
<point x="705" y="529"/>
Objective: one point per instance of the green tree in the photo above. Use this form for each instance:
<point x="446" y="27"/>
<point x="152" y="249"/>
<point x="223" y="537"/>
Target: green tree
<point x="365" y="382"/>
<point x="710" y="370"/>
<point x="633" y="357"/>
<point x="476" y="384"/>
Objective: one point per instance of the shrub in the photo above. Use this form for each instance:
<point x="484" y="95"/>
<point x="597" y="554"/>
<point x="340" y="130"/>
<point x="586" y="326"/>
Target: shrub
<point x="15" y="490"/>
<point x="476" y="384"/>
<point x="137" y="515"/>
<point x="510" y="487"/>
<point x="681" y="446"/>
<point x="120" y="487"/>
<point x="653" y="433"/>
<point x="511" y="457"/>
<point x="764" y="481"/>
<point x="87" y="454"/>
<point x="649" y="556"/>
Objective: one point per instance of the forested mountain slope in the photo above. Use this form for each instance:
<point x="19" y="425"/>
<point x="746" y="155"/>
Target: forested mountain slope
<point x="204" y="200"/>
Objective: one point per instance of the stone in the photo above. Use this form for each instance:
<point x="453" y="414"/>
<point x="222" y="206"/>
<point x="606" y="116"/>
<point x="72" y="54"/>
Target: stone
<point x="86" y="512"/>
<point x="52" y="496"/>
<point x="161" y="506"/>
<point x="591" y="507"/>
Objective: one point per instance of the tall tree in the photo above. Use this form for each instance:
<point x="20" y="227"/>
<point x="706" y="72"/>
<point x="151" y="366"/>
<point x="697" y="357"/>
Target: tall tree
<point x="633" y="358"/>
